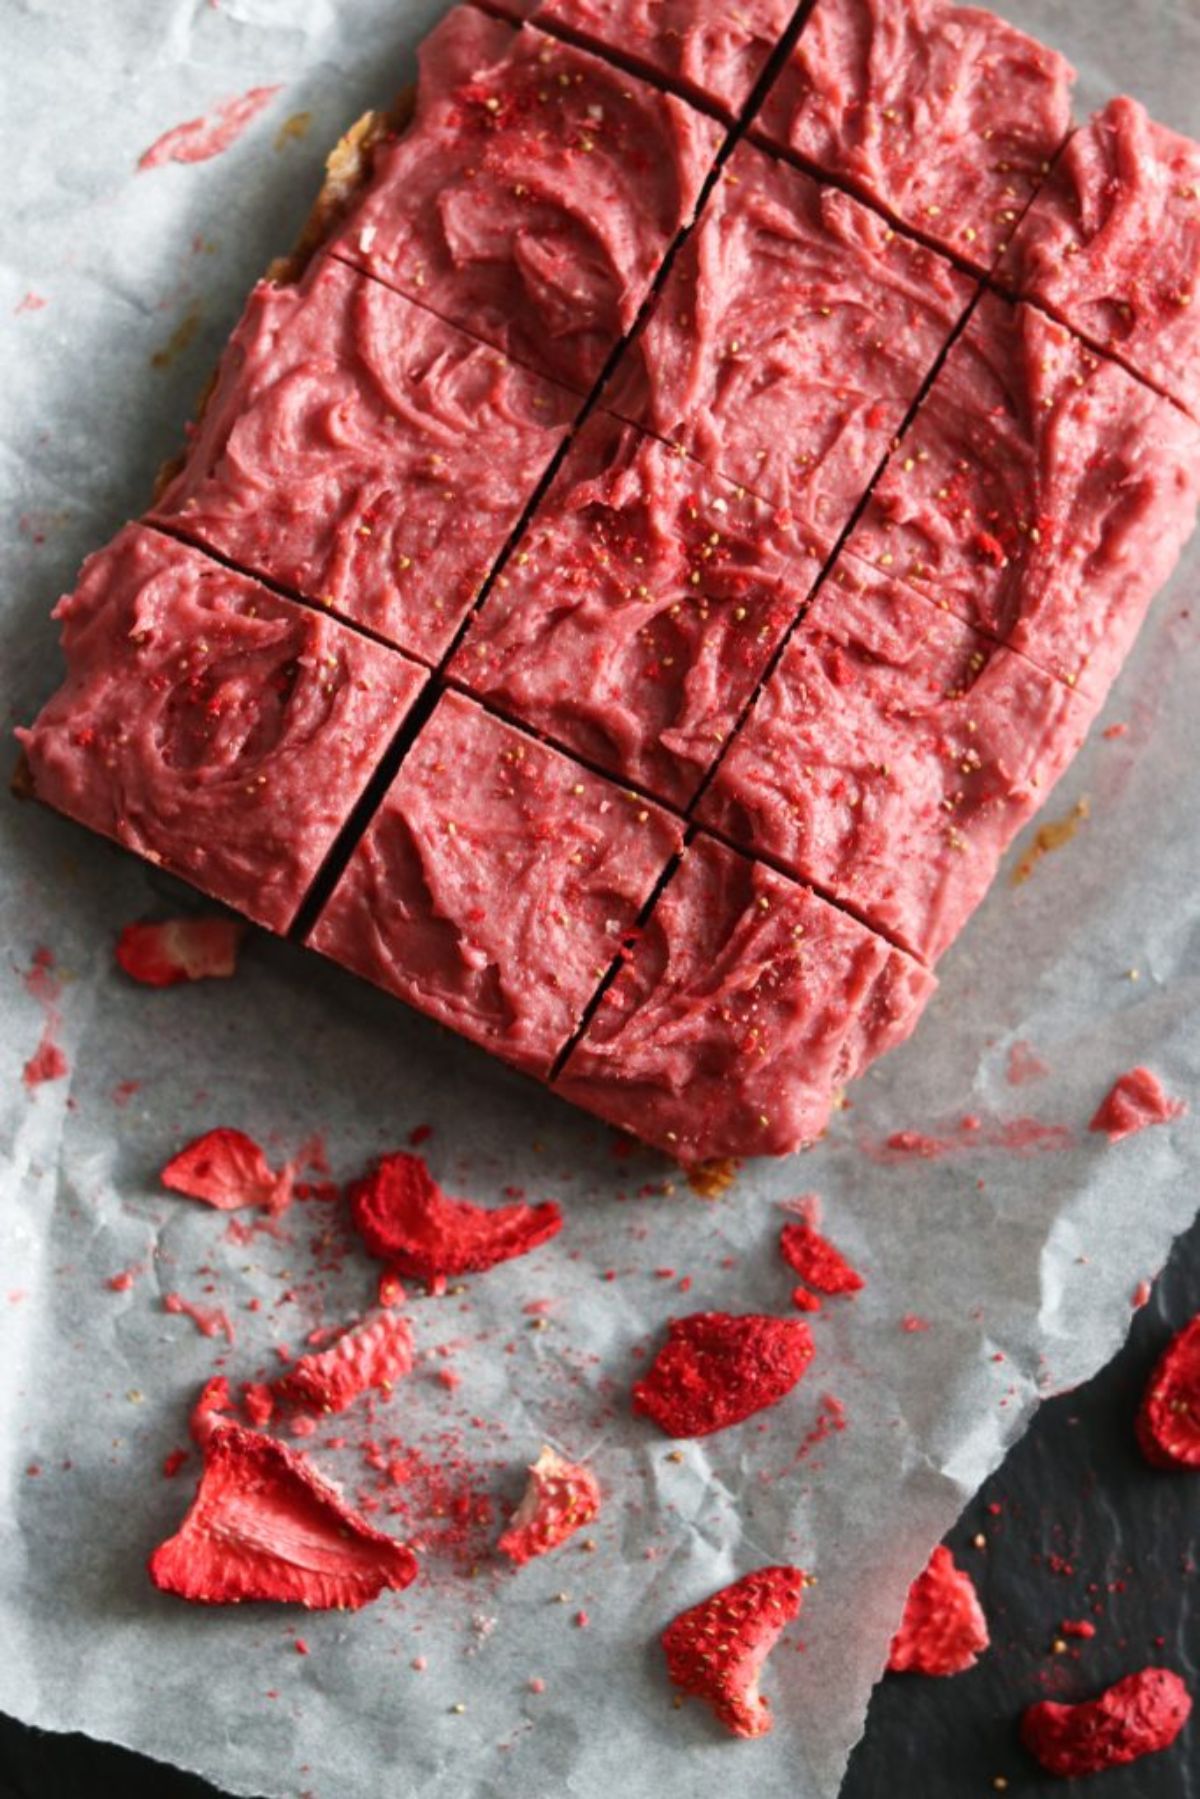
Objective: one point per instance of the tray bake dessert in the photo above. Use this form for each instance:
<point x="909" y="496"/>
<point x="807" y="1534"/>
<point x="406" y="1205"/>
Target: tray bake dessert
<point x="667" y="527"/>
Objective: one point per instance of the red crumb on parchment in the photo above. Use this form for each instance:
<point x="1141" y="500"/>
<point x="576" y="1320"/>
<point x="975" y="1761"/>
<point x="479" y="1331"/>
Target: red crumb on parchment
<point x="41" y="982"/>
<point x="170" y="951"/>
<point x="197" y="140"/>
<point x="1024" y="1065"/>
<point x="1135" y="1101"/>
<point x="210" y="1321"/>
<point x="818" y="1263"/>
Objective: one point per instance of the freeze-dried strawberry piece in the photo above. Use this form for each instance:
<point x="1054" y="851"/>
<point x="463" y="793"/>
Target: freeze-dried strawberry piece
<point x="180" y="949"/>
<point x="228" y="1170"/>
<point x="404" y="1218"/>
<point x="560" y="1499"/>
<point x="716" y="1369"/>
<point x="265" y="1525"/>
<point x="716" y="1650"/>
<point x="943" y="1630"/>
<point x="375" y="1352"/>
<point x="1137" y="1099"/>
<point x="1168" y="1420"/>
<point x="816" y="1261"/>
<point x="1143" y="1713"/>
<point x="214" y="1401"/>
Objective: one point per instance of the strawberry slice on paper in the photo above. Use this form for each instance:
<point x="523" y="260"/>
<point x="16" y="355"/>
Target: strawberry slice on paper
<point x="717" y="1368"/>
<point x="265" y="1525"/>
<point x="375" y="1352"/>
<point x="404" y="1218"/>
<point x="560" y="1499"/>
<point x="228" y="1170"/>
<point x="1138" y="1716"/>
<point x="180" y="949"/>
<point x="716" y="1650"/>
<point x="943" y="1630"/>
<point x="1168" y="1420"/>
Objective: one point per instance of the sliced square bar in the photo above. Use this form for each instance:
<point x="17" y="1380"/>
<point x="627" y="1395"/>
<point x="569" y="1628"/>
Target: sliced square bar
<point x="946" y="116"/>
<point x="1040" y="493"/>
<point x="534" y="195"/>
<point x="639" y="611"/>
<point x="893" y="756"/>
<point x="1112" y="245"/>
<point x="360" y="451"/>
<point x="791" y="336"/>
<point x="214" y="728"/>
<point x="713" y="54"/>
<point x="495" y="884"/>
<point x="744" y="1007"/>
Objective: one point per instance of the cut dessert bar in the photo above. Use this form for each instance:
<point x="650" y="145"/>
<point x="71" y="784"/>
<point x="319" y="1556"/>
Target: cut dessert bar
<point x="1112" y="245"/>
<point x="893" y="756"/>
<point x="744" y="1006"/>
<point x="713" y="54"/>
<point x="211" y="726"/>
<point x="1040" y="493"/>
<point x="495" y="884"/>
<point x="946" y="116"/>
<point x="639" y="611"/>
<point x="533" y="196"/>
<point x="365" y="454"/>
<point x="792" y="334"/>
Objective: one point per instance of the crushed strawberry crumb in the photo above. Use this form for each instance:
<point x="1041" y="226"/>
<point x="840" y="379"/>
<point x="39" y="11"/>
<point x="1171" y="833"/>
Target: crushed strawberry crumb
<point x="814" y="1258"/>
<point x="1137" y="1100"/>
<point x="180" y="949"/>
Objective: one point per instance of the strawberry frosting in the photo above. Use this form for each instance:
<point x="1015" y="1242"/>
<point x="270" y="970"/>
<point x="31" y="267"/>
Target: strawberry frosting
<point x="363" y="453"/>
<point x="946" y="116"/>
<point x="1041" y="493"/>
<point x="893" y="756"/>
<point x="790" y="339"/>
<point x="495" y="884"/>
<point x="745" y="1006"/>
<point x="218" y="730"/>
<point x="640" y="610"/>
<point x="533" y="196"/>
<point x="1112" y="245"/>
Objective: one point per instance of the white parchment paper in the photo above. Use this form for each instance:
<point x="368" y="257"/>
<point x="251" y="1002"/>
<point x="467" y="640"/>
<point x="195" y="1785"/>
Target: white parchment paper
<point x="116" y="291"/>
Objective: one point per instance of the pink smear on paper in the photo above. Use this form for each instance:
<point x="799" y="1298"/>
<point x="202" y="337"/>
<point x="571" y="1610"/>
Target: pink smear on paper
<point x="210" y="1321"/>
<point x="1025" y="1065"/>
<point x="196" y="140"/>
<point x="1019" y="1136"/>
<point x="47" y="1063"/>
<point x="31" y="302"/>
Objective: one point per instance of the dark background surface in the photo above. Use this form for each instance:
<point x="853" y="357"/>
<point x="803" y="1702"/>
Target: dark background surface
<point x="1076" y="1525"/>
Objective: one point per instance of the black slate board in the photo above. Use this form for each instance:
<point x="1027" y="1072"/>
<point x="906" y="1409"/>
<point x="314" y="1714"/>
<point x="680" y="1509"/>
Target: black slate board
<point x="1076" y="1489"/>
